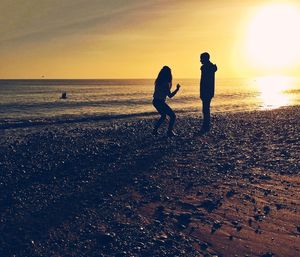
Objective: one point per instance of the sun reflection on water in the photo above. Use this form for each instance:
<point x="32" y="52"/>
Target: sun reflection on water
<point x="272" y="91"/>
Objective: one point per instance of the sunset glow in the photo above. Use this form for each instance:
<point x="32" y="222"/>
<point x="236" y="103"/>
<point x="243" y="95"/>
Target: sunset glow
<point x="272" y="41"/>
<point x="114" y="39"/>
<point x="272" y="91"/>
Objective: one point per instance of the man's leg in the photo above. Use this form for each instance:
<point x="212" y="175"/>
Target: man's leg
<point x="206" y="114"/>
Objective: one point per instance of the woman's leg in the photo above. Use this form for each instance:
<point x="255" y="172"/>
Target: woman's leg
<point x="159" y="106"/>
<point x="172" y="116"/>
<point x="159" y="122"/>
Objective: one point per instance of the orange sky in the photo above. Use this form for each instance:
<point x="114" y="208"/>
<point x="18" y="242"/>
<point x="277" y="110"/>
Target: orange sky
<point x="134" y="39"/>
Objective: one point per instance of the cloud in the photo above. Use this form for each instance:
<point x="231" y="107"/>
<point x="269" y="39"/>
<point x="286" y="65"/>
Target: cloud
<point x="31" y="19"/>
<point x="90" y="38"/>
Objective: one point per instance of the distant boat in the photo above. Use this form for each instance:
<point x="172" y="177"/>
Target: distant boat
<point x="63" y="95"/>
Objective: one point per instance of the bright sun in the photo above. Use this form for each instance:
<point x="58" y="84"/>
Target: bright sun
<point x="273" y="38"/>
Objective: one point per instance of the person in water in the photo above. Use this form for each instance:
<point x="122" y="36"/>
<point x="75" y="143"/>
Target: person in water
<point x="163" y="85"/>
<point x="207" y="88"/>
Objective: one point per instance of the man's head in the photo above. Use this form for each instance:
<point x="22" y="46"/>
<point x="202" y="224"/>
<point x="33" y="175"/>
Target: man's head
<point x="204" y="58"/>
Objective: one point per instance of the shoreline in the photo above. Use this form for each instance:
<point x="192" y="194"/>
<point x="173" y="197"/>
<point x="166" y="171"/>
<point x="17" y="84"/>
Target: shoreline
<point x="112" y="189"/>
<point x="11" y="123"/>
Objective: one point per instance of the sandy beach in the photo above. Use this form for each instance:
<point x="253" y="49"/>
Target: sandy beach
<point x="110" y="188"/>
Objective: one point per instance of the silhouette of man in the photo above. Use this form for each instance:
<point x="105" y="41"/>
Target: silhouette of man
<point x="207" y="88"/>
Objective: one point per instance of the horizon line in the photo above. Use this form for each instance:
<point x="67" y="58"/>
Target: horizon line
<point x="229" y="77"/>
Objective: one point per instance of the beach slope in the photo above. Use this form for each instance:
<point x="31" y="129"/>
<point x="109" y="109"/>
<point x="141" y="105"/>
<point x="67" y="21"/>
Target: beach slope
<point x="113" y="189"/>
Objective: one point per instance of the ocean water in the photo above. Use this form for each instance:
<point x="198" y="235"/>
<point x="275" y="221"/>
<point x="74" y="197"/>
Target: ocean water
<point x="38" y="101"/>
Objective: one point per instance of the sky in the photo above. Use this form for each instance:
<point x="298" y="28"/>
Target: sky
<point x="133" y="39"/>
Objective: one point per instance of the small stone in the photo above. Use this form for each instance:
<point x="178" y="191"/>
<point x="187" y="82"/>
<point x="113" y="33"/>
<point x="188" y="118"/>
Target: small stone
<point x="268" y="254"/>
<point x="258" y="217"/>
<point x="239" y="227"/>
<point x="257" y="231"/>
<point x="121" y="254"/>
<point x="184" y="219"/>
<point x="230" y="193"/>
<point x="189" y="186"/>
<point x="250" y="222"/>
<point x="217" y="225"/>
<point x="188" y="206"/>
<point x="105" y="239"/>
<point x="210" y="204"/>
<point x="235" y="222"/>
<point x="203" y="246"/>
<point x="266" y="209"/>
<point x="159" y="213"/>
<point x="265" y="177"/>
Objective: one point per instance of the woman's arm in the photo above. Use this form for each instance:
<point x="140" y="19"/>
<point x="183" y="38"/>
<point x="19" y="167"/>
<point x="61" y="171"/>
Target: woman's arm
<point x="170" y="95"/>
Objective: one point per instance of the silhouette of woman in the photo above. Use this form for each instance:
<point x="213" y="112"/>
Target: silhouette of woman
<point x="163" y="85"/>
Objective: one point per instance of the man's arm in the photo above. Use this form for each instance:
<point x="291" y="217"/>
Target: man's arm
<point x="216" y="68"/>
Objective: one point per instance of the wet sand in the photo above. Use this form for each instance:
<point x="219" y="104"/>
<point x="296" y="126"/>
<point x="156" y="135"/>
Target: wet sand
<point x="113" y="189"/>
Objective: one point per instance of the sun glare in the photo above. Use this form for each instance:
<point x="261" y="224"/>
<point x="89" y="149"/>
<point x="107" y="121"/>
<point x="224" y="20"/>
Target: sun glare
<point x="273" y="37"/>
<point x="272" y="91"/>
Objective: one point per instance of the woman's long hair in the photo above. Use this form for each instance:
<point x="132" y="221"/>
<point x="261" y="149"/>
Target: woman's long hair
<point x="164" y="76"/>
